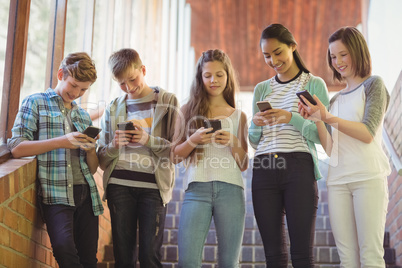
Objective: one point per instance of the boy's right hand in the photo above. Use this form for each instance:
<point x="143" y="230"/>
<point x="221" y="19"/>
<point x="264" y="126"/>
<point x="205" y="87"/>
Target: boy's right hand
<point x="74" y="140"/>
<point x="121" y="138"/>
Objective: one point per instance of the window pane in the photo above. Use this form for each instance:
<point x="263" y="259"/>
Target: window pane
<point x="75" y="27"/>
<point x="4" y="12"/>
<point x="101" y="90"/>
<point x="78" y="38"/>
<point x="38" y="31"/>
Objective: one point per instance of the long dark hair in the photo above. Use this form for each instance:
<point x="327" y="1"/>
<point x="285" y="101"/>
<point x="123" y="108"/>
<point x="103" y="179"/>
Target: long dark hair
<point x="283" y="35"/>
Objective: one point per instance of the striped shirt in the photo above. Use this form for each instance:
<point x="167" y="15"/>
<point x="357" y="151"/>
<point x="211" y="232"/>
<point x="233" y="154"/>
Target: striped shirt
<point x="41" y="117"/>
<point x="284" y="138"/>
<point x="136" y="167"/>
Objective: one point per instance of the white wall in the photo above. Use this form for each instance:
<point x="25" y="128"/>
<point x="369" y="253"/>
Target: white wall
<point x="385" y="39"/>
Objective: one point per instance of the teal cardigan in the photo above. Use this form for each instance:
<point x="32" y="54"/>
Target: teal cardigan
<point x="316" y="86"/>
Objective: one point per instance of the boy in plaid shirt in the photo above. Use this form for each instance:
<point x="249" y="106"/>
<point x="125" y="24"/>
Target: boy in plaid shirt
<point x="50" y="125"/>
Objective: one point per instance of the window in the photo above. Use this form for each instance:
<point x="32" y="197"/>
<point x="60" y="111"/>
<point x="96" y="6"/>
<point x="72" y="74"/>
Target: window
<point x="4" y="13"/>
<point x="38" y="32"/>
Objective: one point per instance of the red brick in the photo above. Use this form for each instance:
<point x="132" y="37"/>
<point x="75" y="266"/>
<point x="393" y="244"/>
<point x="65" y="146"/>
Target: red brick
<point x="3" y="254"/>
<point x="40" y="254"/>
<point x="25" y="227"/>
<point x="30" y="212"/>
<point x="36" y="235"/>
<point x="18" y="205"/>
<point x="10" y="219"/>
<point x="46" y="240"/>
<point x="50" y="258"/>
<point x="4" y="188"/>
<point x="1" y="214"/>
<point x="29" y="195"/>
<point x="4" y="237"/>
<point x="17" y="242"/>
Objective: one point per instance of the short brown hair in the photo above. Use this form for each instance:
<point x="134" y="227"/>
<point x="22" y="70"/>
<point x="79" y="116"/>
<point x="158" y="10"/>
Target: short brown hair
<point x="354" y="41"/>
<point x="122" y="60"/>
<point x="79" y="66"/>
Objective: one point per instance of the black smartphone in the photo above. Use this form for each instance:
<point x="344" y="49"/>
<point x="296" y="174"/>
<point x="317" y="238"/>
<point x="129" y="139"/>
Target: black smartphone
<point x="214" y="123"/>
<point x="264" y="105"/>
<point x="92" y="131"/>
<point x="126" y="126"/>
<point x="307" y="95"/>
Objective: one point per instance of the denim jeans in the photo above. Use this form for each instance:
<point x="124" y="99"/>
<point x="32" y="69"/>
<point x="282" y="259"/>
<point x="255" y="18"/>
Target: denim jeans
<point x="73" y="231"/>
<point x="284" y="184"/>
<point x="129" y="205"/>
<point x="204" y="200"/>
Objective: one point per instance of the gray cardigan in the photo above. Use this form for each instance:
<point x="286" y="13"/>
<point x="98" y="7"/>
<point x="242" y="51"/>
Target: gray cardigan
<point x="162" y="131"/>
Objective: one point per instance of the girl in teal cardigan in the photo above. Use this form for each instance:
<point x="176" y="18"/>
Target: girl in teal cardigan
<point x="285" y="168"/>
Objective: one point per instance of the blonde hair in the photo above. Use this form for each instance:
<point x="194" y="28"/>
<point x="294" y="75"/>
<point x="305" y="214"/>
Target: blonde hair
<point x="79" y="66"/>
<point x="122" y="60"/>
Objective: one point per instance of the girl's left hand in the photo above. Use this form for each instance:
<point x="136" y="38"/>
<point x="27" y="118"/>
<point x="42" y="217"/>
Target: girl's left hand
<point x="224" y="138"/>
<point x="139" y="135"/>
<point x="277" y="116"/>
<point x="313" y="112"/>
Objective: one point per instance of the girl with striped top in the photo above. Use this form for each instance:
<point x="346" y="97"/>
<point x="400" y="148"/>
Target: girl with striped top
<point x="214" y="162"/>
<point x="285" y="166"/>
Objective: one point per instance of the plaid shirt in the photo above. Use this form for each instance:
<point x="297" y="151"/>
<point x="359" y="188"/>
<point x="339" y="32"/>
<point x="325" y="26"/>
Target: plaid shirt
<point x="41" y="117"/>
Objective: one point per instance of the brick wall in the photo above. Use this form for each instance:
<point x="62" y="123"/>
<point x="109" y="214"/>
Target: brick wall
<point x="393" y="126"/>
<point x="394" y="217"/>
<point x="105" y="233"/>
<point x="24" y="241"/>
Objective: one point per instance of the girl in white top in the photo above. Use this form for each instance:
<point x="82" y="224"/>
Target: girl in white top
<point x="213" y="161"/>
<point x="358" y="167"/>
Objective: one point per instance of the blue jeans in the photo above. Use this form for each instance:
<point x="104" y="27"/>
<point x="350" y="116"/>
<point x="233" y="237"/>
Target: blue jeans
<point x="285" y="185"/>
<point x="204" y="200"/>
<point x="73" y="231"/>
<point x="128" y="205"/>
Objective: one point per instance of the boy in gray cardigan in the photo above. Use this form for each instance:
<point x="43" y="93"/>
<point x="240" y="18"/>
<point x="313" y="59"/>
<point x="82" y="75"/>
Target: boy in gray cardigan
<point x="134" y="152"/>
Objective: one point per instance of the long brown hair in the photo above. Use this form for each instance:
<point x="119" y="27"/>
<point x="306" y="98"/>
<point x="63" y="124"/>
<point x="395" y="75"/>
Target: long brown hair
<point x="354" y="41"/>
<point x="197" y="108"/>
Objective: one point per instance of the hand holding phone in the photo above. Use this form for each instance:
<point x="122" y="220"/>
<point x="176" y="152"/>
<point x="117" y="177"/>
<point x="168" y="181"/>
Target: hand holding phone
<point x="92" y="131"/>
<point x="126" y="126"/>
<point x="307" y="95"/>
<point x="264" y="105"/>
<point x="214" y="123"/>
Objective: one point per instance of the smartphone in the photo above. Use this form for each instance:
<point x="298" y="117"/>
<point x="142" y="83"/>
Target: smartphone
<point x="264" y="105"/>
<point x="126" y="126"/>
<point x="214" y="123"/>
<point x="307" y="95"/>
<point x="92" y="131"/>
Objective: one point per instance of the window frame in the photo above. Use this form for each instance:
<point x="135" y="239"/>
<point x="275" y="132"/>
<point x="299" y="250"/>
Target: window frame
<point x="14" y="69"/>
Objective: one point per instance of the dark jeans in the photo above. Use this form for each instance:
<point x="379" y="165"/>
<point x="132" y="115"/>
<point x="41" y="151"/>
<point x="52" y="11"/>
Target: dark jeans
<point x="73" y="231"/>
<point x="285" y="185"/>
<point x="128" y="205"/>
